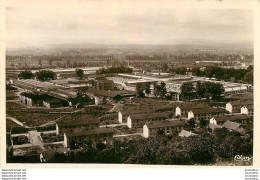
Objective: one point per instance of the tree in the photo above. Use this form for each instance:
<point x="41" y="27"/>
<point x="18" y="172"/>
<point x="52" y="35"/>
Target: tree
<point x="79" y="73"/>
<point x="187" y="90"/>
<point x="171" y="115"/>
<point x="200" y="149"/>
<point x="217" y="90"/>
<point x="191" y="123"/>
<point x="45" y="75"/>
<point x="40" y="62"/>
<point x="50" y="62"/>
<point x="156" y="89"/>
<point x="75" y="64"/>
<point x="200" y="89"/>
<point x="165" y="67"/>
<point x="203" y="123"/>
<point x="25" y="75"/>
<point x="139" y="90"/>
<point x="147" y="88"/>
<point x="163" y="90"/>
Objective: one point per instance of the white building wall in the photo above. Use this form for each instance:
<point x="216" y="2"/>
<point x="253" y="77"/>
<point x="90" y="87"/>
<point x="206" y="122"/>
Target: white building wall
<point x="29" y="102"/>
<point x="65" y="141"/>
<point x="178" y="111"/>
<point x="57" y="129"/>
<point x="190" y="115"/>
<point x="229" y="107"/>
<point x="120" y="117"/>
<point x="146" y="132"/>
<point x="213" y="121"/>
<point x="129" y="122"/>
<point x="96" y="100"/>
<point x="244" y="110"/>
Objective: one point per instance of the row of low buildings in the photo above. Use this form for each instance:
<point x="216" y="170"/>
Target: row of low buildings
<point x="162" y="115"/>
<point x="46" y="94"/>
<point x="173" y="83"/>
<point x="34" y="99"/>
<point x="243" y="107"/>
<point x="81" y="129"/>
<point x="234" y="123"/>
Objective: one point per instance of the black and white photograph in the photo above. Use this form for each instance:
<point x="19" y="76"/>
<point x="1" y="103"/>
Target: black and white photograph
<point x="118" y="83"/>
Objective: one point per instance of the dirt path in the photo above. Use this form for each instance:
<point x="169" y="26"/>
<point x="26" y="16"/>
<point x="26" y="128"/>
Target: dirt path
<point x="16" y="121"/>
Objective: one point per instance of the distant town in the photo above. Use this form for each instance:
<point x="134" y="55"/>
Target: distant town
<point x="130" y="105"/>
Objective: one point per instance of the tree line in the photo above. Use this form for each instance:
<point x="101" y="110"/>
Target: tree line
<point x="205" y="148"/>
<point x="231" y="74"/>
<point x="44" y="75"/>
<point x="207" y="90"/>
<point x="159" y="90"/>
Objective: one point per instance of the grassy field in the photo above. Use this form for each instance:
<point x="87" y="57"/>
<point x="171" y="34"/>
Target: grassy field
<point x="31" y="119"/>
<point x="11" y="95"/>
<point x="10" y="124"/>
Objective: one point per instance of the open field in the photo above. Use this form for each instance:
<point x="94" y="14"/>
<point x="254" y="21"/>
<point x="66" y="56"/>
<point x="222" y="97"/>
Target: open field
<point x="31" y="119"/>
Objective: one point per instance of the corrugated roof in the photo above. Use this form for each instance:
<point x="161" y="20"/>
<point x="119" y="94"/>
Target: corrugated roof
<point x="232" y="117"/>
<point x="231" y="125"/>
<point x="102" y="92"/>
<point x="251" y="106"/>
<point x="192" y="106"/>
<point x="78" y="120"/>
<point x="100" y="130"/>
<point x="242" y="103"/>
<point x="158" y="124"/>
<point x="148" y="116"/>
<point x="135" y="111"/>
<point x="208" y="111"/>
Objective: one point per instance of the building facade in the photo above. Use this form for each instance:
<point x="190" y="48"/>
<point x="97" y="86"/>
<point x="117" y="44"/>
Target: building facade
<point x="206" y="114"/>
<point x="95" y="135"/>
<point x="248" y="110"/>
<point x="139" y="120"/>
<point x="76" y="125"/>
<point x="166" y="127"/>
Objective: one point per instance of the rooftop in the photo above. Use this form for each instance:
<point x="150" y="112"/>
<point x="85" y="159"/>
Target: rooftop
<point x="100" y="130"/>
<point x="159" y="124"/>
<point x="250" y="106"/>
<point x="148" y="116"/>
<point x="208" y="111"/>
<point x="231" y="117"/>
<point x="231" y="125"/>
<point x="190" y="106"/>
<point x="242" y="103"/>
<point x="135" y="111"/>
<point x="103" y="92"/>
<point x="77" y="120"/>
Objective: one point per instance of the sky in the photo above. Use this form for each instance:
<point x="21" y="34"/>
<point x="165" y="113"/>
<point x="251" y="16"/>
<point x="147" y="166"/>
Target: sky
<point x="27" y="26"/>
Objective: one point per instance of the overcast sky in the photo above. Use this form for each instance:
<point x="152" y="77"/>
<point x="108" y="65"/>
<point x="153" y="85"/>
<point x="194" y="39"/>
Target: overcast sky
<point x="28" y="27"/>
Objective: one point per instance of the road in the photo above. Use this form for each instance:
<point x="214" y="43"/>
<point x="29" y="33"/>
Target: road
<point x="116" y="107"/>
<point x="34" y="137"/>
<point x="125" y="135"/>
<point x="35" y="140"/>
<point x="22" y="146"/>
<point x="114" y="125"/>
